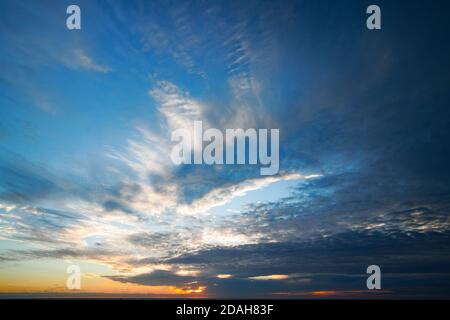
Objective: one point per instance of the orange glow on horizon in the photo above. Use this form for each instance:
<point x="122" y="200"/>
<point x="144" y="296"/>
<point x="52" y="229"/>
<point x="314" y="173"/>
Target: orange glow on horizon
<point x="323" y="293"/>
<point x="99" y="285"/>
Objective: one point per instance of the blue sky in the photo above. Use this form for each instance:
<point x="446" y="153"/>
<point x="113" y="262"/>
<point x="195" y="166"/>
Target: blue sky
<point x="85" y="172"/>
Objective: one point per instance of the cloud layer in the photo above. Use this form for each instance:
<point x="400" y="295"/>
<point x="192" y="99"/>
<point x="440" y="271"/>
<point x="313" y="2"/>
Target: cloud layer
<point x="85" y="170"/>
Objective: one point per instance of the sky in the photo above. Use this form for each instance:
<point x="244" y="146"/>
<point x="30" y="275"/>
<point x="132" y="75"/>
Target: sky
<point x="86" y="178"/>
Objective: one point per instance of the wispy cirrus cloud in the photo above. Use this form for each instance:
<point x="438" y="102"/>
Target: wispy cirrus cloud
<point x="364" y="153"/>
<point x="81" y="60"/>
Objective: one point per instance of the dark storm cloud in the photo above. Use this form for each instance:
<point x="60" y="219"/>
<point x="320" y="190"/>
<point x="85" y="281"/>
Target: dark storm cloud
<point x="158" y="278"/>
<point x="346" y="253"/>
<point x="374" y="105"/>
<point x="233" y="287"/>
<point x="409" y="261"/>
<point x="336" y="263"/>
